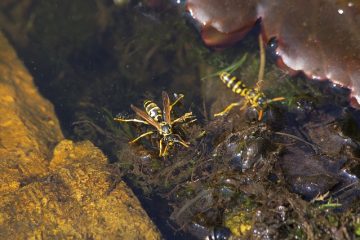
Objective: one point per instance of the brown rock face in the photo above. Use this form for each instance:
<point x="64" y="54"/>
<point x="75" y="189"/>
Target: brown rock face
<point x="61" y="192"/>
<point x="28" y="125"/>
<point x="75" y="199"/>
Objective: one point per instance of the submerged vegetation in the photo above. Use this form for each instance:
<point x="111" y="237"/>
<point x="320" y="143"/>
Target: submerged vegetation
<point x="293" y="175"/>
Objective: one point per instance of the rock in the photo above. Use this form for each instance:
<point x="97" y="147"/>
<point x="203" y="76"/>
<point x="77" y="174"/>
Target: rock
<point x="61" y="192"/>
<point x="75" y="200"/>
<point x="29" y="128"/>
<point x="310" y="174"/>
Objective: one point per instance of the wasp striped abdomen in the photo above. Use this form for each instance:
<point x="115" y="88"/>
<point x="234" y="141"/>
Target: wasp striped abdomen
<point x="153" y="110"/>
<point x="235" y="84"/>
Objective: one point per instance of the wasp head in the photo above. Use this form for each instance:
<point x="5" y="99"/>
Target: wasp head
<point x="262" y="101"/>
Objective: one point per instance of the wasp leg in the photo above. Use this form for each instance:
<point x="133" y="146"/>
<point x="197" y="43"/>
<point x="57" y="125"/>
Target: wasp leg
<point x="181" y="141"/>
<point x="227" y="109"/>
<point x="185" y="144"/>
<point x="261" y="113"/>
<point x="193" y="120"/>
<point x="176" y="101"/>
<point x="141" y="136"/>
<point x="163" y="153"/>
<point x="244" y="105"/>
<point x="161" y="147"/>
<point x="130" y="120"/>
<point x="184" y="117"/>
<point x="259" y="85"/>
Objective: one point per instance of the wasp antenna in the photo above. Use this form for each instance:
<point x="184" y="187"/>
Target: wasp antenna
<point x="277" y="99"/>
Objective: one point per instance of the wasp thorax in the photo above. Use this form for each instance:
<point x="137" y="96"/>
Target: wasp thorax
<point x="165" y="128"/>
<point x="251" y="93"/>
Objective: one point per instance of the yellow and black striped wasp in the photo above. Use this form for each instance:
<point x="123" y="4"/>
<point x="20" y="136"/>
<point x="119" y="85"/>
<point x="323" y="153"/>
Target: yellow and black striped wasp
<point x="161" y="120"/>
<point x="253" y="96"/>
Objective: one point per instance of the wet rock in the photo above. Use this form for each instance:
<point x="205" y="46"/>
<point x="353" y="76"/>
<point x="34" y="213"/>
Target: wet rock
<point x="310" y="174"/>
<point x="55" y="193"/>
<point x="328" y="137"/>
<point x="243" y="149"/>
<point x="28" y="125"/>
<point x="220" y="233"/>
<point x="75" y="199"/>
<point x="348" y="189"/>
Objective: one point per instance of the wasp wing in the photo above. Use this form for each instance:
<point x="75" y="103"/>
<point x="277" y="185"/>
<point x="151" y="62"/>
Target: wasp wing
<point x="145" y="116"/>
<point x="167" y="107"/>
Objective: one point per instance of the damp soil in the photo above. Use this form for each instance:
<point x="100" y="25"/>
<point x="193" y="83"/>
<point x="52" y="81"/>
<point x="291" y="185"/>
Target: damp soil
<point x="292" y="175"/>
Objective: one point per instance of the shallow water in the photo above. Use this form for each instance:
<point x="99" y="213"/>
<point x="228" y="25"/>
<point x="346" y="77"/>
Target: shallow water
<point x="92" y="59"/>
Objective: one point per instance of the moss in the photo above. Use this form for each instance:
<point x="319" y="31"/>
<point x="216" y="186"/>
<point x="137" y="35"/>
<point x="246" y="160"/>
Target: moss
<point x="239" y="223"/>
<point x="357" y="230"/>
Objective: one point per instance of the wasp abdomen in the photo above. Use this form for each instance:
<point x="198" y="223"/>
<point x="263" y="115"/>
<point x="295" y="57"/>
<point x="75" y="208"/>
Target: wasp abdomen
<point x="153" y="110"/>
<point x="236" y="85"/>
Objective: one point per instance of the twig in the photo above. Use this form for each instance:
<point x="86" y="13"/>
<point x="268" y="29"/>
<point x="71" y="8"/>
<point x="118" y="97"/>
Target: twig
<point x="315" y="148"/>
<point x="262" y="61"/>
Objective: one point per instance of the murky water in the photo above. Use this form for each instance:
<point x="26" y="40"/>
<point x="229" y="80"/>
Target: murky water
<point x="92" y="59"/>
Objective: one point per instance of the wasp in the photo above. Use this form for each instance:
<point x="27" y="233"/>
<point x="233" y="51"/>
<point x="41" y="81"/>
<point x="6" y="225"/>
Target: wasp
<point x="161" y="120"/>
<point x="253" y="96"/>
